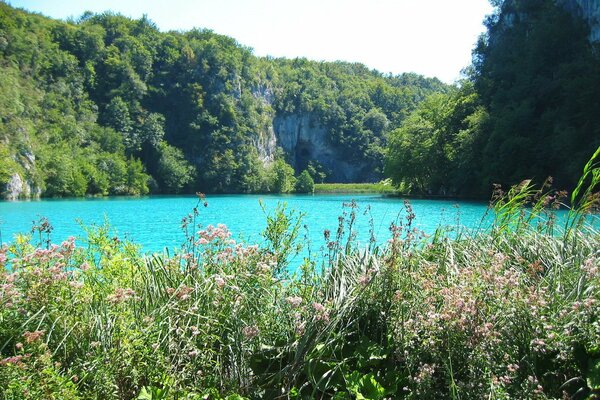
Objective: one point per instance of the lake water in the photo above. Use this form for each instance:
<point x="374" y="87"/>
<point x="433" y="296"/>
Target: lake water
<point x="155" y="221"/>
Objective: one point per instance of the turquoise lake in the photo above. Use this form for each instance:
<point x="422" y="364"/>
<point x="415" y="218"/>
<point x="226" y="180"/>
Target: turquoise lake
<point x="155" y="221"/>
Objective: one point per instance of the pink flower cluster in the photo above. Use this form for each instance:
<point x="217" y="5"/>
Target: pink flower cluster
<point x="250" y="332"/>
<point x="121" y="295"/>
<point x="590" y="267"/>
<point x="294" y="301"/>
<point x="322" y="314"/>
<point x="15" y="360"/>
<point x="183" y="292"/>
<point x="9" y="294"/>
<point x="32" y="337"/>
<point x="220" y="232"/>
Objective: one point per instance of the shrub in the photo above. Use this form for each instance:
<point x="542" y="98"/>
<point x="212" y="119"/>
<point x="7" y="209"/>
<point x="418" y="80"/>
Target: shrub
<point x="305" y="183"/>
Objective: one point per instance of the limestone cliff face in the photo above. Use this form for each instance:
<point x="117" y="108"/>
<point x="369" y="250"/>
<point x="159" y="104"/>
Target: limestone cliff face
<point x="589" y="10"/>
<point x="19" y="188"/>
<point x="266" y="145"/>
<point x="304" y="139"/>
<point x="265" y="141"/>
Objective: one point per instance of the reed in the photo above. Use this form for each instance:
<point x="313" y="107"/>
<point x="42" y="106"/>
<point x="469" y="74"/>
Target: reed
<point x="509" y="312"/>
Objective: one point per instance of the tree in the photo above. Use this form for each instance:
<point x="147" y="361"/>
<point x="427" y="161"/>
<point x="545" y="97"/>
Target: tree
<point x="283" y="177"/>
<point x="305" y="183"/>
<point x="174" y="172"/>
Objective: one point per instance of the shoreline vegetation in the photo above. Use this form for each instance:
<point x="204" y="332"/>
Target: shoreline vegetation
<point x="509" y="312"/>
<point x="381" y="188"/>
<point x="142" y="111"/>
<point x="107" y="106"/>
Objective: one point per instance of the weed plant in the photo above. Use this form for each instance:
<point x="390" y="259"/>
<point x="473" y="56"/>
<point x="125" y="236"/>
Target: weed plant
<point x="507" y="313"/>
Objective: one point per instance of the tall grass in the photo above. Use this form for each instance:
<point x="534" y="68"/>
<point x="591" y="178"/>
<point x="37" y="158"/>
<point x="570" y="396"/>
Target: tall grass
<point x="510" y="312"/>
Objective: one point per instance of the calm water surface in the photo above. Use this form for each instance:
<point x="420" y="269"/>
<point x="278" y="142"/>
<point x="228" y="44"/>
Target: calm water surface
<point x="155" y="221"/>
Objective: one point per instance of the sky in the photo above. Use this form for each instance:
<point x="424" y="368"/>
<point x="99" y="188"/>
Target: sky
<point x="429" y="37"/>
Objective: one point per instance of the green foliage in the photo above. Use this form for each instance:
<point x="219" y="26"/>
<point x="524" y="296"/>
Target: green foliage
<point x="305" y="183"/>
<point x="9" y="166"/>
<point x="493" y="314"/>
<point x="538" y="79"/>
<point x="283" y="177"/>
<point x="317" y="171"/>
<point x="434" y="150"/>
<point x="173" y="172"/>
<point x="384" y="187"/>
<point x="108" y="84"/>
<point x="527" y="110"/>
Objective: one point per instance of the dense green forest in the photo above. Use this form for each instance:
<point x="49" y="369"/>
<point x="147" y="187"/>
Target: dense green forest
<point x="110" y="105"/>
<point x="528" y="109"/>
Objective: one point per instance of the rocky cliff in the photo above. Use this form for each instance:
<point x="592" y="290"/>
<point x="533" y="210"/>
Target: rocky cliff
<point x="18" y="188"/>
<point x="18" y="185"/>
<point x="589" y="10"/>
<point x="304" y="139"/>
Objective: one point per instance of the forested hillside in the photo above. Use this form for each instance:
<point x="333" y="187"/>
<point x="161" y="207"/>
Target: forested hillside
<point x="530" y="107"/>
<point x="109" y="105"/>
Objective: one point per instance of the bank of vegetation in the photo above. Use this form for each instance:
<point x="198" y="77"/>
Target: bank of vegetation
<point x="384" y="187"/>
<point x="107" y="105"/>
<point x="526" y="108"/>
<point x="509" y="312"/>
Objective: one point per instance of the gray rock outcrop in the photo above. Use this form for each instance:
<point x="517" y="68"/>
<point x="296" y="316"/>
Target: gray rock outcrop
<point x="589" y="10"/>
<point x="18" y="188"/>
<point x="304" y="139"/>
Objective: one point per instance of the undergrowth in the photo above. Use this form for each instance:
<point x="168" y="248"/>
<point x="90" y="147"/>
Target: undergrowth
<point x="506" y="313"/>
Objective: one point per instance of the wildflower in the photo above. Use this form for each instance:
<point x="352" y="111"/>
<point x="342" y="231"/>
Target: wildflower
<point x="76" y="284"/>
<point x="84" y="266"/>
<point x="398" y="295"/>
<point x="538" y="345"/>
<point x="539" y="389"/>
<point x="590" y="268"/>
<point x="426" y="371"/>
<point x="250" y="331"/>
<point x="120" y="295"/>
<point x="202" y="241"/>
<point x="512" y="367"/>
<point x="31" y="337"/>
<point x="322" y="313"/>
<point x="19" y="346"/>
<point x="263" y="267"/>
<point x="16" y="360"/>
<point x="183" y="293"/>
<point x="155" y="346"/>
<point x="589" y="302"/>
<point x="193" y="353"/>
<point x="294" y="301"/>
<point x="195" y="331"/>
<point x="219" y="281"/>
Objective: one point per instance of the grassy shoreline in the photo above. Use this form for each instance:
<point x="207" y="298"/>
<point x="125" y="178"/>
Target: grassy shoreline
<point x="380" y="188"/>
<point x="508" y="313"/>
